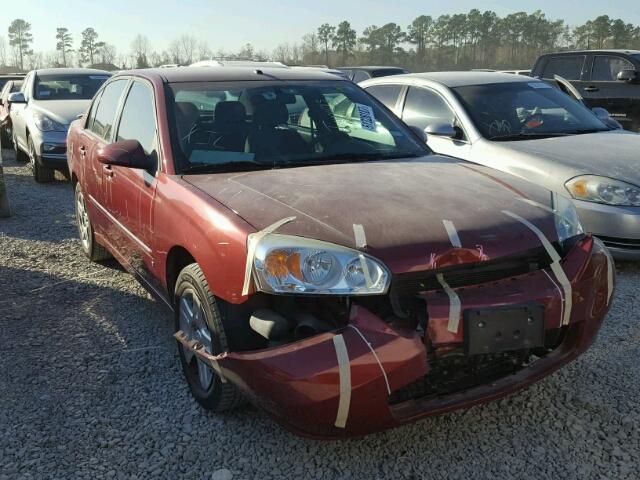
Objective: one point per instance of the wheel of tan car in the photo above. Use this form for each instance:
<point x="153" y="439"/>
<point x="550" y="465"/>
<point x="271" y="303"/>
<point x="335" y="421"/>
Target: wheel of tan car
<point x="41" y="174"/>
<point x="91" y="248"/>
<point x="198" y="316"/>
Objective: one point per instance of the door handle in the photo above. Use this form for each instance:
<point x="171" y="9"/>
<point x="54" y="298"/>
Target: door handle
<point x="591" y="88"/>
<point x="108" y="171"/>
<point x="82" y="150"/>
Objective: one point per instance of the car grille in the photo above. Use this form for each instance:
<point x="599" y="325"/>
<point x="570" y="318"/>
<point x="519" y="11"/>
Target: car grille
<point x="622" y="243"/>
<point x="470" y="274"/>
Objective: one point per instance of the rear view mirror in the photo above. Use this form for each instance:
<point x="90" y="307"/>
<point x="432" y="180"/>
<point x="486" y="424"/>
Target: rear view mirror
<point x="16" y="97"/>
<point x="441" y="130"/>
<point x="629" y="76"/>
<point x="126" y="153"/>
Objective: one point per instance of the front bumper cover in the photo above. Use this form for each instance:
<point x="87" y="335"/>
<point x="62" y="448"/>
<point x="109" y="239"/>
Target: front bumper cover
<point x="300" y="384"/>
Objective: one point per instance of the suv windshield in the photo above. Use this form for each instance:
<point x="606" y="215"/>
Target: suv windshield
<point x="67" y="87"/>
<point x="222" y="126"/>
<point x="513" y="111"/>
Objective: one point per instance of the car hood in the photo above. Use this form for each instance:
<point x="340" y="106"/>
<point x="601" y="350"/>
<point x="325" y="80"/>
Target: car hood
<point x="401" y="205"/>
<point x="611" y="154"/>
<point x="62" y="111"/>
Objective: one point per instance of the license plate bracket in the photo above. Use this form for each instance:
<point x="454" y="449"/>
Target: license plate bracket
<point x="503" y="329"/>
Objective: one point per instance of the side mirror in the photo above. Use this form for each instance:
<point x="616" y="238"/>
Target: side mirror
<point x="601" y="113"/>
<point x="629" y="76"/>
<point x="16" y="97"/>
<point x="1" y="101"/>
<point x="420" y="133"/>
<point x="126" y="153"/>
<point x="441" y="130"/>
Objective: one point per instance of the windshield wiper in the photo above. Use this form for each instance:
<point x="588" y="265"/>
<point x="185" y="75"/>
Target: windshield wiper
<point x="353" y="158"/>
<point x="528" y="136"/>
<point x="225" y="167"/>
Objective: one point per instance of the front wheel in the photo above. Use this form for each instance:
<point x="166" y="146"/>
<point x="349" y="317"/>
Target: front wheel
<point x="92" y="249"/>
<point x="41" y="174"/>
<point x="198" y="316"/>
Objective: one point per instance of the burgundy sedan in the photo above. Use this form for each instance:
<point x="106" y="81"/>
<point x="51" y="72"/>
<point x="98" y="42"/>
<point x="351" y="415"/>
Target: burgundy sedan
<point x="319" y="260"/>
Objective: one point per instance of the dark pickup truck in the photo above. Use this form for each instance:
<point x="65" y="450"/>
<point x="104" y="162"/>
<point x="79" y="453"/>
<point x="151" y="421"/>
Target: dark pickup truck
<point x="604" y="78"/>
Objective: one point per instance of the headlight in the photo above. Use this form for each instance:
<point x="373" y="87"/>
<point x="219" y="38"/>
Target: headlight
<point x="288" y="264"/>
<point x="566" y="216"/>
<point x="45" y="124"/>
<point x="604" y="190"/>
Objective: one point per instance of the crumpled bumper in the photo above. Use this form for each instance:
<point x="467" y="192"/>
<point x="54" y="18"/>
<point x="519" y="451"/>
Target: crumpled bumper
<point x="307" y="388"/>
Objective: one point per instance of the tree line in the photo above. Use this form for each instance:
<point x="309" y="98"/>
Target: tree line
<point x="457" y="41"/>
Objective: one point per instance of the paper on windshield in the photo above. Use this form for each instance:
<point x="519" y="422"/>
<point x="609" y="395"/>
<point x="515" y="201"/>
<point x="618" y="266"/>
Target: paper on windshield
<point x="539" y="85"/>
<point x="367" y="118"/>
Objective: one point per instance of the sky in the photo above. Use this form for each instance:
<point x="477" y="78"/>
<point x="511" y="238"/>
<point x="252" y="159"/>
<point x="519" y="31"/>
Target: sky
<point x="265" y="23"/>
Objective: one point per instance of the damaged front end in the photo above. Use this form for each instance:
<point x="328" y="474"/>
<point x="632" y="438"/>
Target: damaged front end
<point x="429" y="342"/>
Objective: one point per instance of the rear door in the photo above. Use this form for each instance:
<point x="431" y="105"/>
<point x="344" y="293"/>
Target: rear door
<point x="18" y="113"/>
<point x="129" y="193"/>
<point x="621" y="99"/>
<point x="570" y="67"/>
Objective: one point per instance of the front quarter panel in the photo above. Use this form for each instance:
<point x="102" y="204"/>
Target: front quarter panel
<point x="212" y="234"/>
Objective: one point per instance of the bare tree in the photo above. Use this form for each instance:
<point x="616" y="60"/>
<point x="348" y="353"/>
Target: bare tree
<point x="140" y="51"/>
<point x="3" y="52"/>
<point x="107" y="53"/>
<point x="175" y="52"/>
<point x="204" y="52"/>
<point x="188" y="45"/>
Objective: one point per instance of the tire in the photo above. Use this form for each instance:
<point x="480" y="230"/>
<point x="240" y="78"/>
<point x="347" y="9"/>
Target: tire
<point x="41" y="174"/>
<point x="192" y="287"/>
<point x="90" y="247"/>
<point x="5" y="142"/>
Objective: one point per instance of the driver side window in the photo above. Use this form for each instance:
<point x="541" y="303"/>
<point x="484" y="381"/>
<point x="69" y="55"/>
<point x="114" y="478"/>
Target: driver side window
<point x="423" y="108"/>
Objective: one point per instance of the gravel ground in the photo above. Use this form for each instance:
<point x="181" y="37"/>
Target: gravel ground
<point x="91" y="387"/>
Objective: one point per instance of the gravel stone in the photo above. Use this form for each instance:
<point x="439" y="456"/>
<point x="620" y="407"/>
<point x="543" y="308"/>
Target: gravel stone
<point x="91" y="386"/>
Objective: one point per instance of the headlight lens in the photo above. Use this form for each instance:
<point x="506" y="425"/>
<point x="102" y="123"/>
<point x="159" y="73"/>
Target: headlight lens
<point x="45" y="124"/>
<point x="288" y="264"/>
<point x="605" y="190"/>
<point x="566" y="216"/>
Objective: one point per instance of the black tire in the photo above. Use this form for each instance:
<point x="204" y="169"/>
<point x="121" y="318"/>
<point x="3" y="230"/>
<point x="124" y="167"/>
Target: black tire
<point x="91" y="248"/>
<point x="41" y="174"/>
<point x="219" y="396"/>
<point x="5" y="141"/>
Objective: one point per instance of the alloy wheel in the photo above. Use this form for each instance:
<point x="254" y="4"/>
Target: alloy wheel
<point x="193" y="323"/>
<point x="84" y="226"/>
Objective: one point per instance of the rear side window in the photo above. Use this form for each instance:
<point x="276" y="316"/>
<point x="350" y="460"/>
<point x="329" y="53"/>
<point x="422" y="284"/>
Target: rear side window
<point x="138" y="119"/>
<point x="360" y="76"/>
<point x="423" y="108"/>
<point x="105" y="115"/>
<point x="387" y="94"/>
<point x="568" y="67"/>
<point x="606" y="68"/>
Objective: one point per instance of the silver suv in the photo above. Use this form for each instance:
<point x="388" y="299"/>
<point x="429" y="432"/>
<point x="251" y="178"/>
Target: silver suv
<point x="42" y="110"/>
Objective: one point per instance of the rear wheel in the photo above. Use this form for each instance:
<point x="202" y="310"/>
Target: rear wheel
<point x="92" y="249"/>
<point x="41" y="174"/>
<point x="198" y="316"/>
<point x="5" y="138"/>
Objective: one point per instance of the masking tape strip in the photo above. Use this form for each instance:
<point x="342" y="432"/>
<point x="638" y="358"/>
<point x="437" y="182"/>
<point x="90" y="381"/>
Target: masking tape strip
<point x="344" y="370"/>
<point x="555" y="266"/>
<point x="452" y="232"/>
<point x="555" y="284"/>
<point x="365" y="271"/>
<point x="252" y="243"/>
<point x="454" y="305"/>
<point x="358" y="233"/>
<point x="554" y="202"/>
<point x="384" y="374"/>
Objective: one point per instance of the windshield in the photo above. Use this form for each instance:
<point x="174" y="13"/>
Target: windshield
<point x="222" y="126"/>
<point x="525" y="109"/>
<point x="67" y="87"/>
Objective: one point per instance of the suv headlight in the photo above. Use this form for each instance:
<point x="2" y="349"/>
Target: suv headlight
<point x="46" y="124"/>
<point x="289" y="264"/>
<point x="566" y="217"/>
<point x="608" y="191"/>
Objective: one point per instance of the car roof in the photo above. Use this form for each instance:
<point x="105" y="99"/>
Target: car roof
<point x="369" y="68"/>
<point x="228" y="74"/>
<point x="462" y="79"/>
<point x="608" y="50"/>
<point x="71" y="71"/>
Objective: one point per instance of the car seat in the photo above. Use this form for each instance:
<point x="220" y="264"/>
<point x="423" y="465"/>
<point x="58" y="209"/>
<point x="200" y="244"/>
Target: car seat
<point x="267" y="138"/>
<point x="230" y="126"/>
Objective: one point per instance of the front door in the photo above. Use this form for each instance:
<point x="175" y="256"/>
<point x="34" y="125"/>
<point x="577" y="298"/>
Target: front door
<point x="129" y="193"/>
